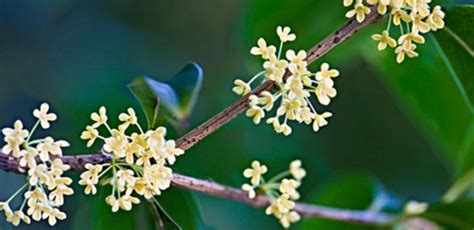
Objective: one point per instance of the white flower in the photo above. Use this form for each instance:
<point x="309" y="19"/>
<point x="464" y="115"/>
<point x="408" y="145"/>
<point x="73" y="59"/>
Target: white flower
<point x="61" y="190"/>
<point x="241" y="88"/>
<point x="402" y="50"/>
<point x="287" y="218"/>
<point x="250" y="190"/>
<point x="17" y="217"/>
<point x="113" y="202"/>
<point x="90" y="135"/>
<point x="43" y="116"/>
<point x="116" y="144"/>
<point x="262" y="49"/>
<point x="288" y="186"/>
<point x="99" y="118"/>
<point x="435" y="19"/>
<point x="14" y="137"/>
<point x="6" y="208"/>
<point x="284" y="204"/>
<point x="320" y="120"/>
<point x="28" y="158"/>
<point x="359" y="11"/>
<point x="49" y="146"/>
<point x="275" y="69"/>
<point x="53" y="215"/>
<point x="348" y="2"/>
<point x="284" y="34"/>
<point x="298" y="59"/>
<point x="296" y="170"/>
<point x="285" y="129"/>
<point x="129" y="118"/>
<point x="384" y="39"/>
<point x="126" y="202"/>
<point x="255" y="111"/>
<point x="255" y="173"/>
<point x="325" y="91"/>
<point x="325" y="73"/>
<point x="266" y="99"/>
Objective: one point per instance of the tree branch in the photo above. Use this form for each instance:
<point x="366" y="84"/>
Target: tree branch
<point x="8" y="163"/>
<point x="77" y="162"/>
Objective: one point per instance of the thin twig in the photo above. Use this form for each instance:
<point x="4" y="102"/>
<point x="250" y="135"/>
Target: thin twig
<point x="77" y="162"/>
<point x="8" y="163"/>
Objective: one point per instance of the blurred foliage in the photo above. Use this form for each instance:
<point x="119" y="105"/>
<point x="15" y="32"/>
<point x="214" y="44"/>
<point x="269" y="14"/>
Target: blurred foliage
<point x="408" y="127"/>
<point x="171" y="101"/>
<point x="356" y="192"/>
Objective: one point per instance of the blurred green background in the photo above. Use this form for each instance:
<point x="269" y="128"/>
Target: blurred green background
<point x="405" y="128"/>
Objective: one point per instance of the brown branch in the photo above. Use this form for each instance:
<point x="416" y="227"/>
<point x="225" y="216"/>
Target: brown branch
<point x="77" y="162"/>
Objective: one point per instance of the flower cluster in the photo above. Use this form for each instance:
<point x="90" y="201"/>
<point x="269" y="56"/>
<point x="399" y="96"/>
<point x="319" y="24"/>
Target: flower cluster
<point x="413" y="17"/>
<point x="281" y="190"/>
<point x="40" y="160"/>
<point x="295" y="85"/>
<point x="140" y="161"/>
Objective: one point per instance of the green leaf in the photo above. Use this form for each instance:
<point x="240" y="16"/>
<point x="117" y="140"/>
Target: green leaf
<point x="460" y="186"/>
<point x="182" y="207"/>
<point x="437" y="90"/>
<point x="457" y="215"/>
<point x="162" y="218"/>
<point x="456" y="48"/>
<point x="354" y="192"/>
<point x="100" y="216"/>
<point x="169" y="101"/>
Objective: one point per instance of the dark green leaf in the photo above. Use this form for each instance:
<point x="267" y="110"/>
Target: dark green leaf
<point x="430" y="87"/>
<point x="100" y="216"/>
<point x="351" y="192"/>
<point x="456" y="48"/>
<point x="182" y="207"/>
<point x="169" y="101"/>
<point x="456" y="215"/>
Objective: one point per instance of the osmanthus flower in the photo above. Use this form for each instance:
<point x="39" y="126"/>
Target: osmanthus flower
<point x="263" y="50"/>
<point x="140" y="161"/>
<point x="360" y="10"/>
<point x="43" y="116"/>
<point x="14" y="138"/>
<point x="285" y="35"/>
<point x="384" y="39"/>
<point x="281" y="190"/>
<point x="46" y="187"/>
<point x="413" y="17"/>
<point x="294" y="82"/>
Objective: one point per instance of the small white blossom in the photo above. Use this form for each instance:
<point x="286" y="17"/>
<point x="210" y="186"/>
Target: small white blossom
<point x="250" y="190"/>
<point x="296" y="170"/>
<point x="43" y="116"/>
<point x="255" y="172"/>
<point x="14" y="138"/>
<point x="99" y="118"/>
<point x="284" y="34"/>
<point x="241" y="88"/>
<point x="289" y="186"/>
<point x="262" y="49"/>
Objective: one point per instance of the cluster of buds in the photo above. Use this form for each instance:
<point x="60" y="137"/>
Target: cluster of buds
<point x="413" y="17"/>
<point x="140" y="161"/>
<point x="40" y="159"/>
<point x="295" y="85"/>
<point x="281" y="190"/>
